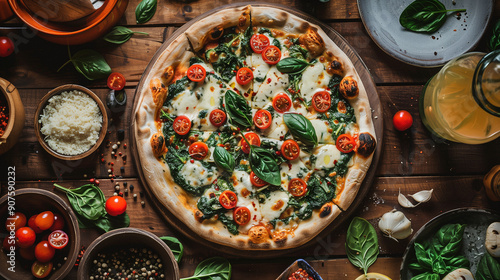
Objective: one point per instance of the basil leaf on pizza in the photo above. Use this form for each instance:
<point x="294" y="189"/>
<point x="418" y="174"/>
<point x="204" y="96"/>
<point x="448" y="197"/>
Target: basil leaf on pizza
<point x="264" y="165"/>
<point x="301" y="128"/>
<point x="238" y="110"/>
<point x="223" y="159"/>
<point x="292" y="65"/>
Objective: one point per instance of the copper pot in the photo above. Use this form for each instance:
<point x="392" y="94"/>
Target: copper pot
<point x="15" y="123"/>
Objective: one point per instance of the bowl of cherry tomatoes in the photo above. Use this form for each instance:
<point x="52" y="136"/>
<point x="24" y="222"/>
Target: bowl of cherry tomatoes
<point x="40" y="235"/>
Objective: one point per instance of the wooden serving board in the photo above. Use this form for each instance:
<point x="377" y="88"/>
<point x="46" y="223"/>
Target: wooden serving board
<point x="341" y="221"/>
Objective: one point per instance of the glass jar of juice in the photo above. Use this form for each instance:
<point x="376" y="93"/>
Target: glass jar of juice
<point x="461" y="103"/>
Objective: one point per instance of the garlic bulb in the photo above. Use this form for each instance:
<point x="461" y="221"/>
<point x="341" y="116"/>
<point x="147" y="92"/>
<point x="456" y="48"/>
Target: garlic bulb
<point x="395" y="225"/>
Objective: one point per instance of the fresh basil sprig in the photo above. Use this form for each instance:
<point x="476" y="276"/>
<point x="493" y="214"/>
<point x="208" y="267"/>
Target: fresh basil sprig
<point x="494" y="43"/>
<point x="488" y="268"/>
<point x="212" y="269"/>
<point x="361" y="244"/>
<point x="145" y="10"/>
<point x="263" y="164"/>
<point x="175" y="246"/>
<point x="425" y="16"/>
<point x="238" y="110"/>
<point x="120" y="34"/>
<point x="89" y="63"/>
<point x="292" y="65"/>
<point x="301" y="128"/>
<point x="87" y="200"/>
<point x="224" y="159"/>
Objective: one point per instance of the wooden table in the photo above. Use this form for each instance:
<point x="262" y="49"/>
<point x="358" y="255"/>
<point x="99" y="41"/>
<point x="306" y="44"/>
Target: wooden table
<point x="411" y="161"/>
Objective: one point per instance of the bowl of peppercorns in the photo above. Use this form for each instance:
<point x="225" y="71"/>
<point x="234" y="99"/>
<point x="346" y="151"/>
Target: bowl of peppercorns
<point x="128" y="253"/>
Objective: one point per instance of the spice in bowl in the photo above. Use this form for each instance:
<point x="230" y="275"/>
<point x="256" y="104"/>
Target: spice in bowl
<point x="4" y="114"/>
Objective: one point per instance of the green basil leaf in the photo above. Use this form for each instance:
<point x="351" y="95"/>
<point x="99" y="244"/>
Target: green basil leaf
<point x="88" y="201"/>
<point x="120" y="34"/>
<point x="301" y="128"/>
<point x="488" y="268"/>
<point x="292" y="65"/>
<point x="361" y="243"/>
<point x="423" y="259"/>
<point x="448" y="240"/>
<point x="175" y="246"/>
<point x="427" y="276"/>
<point x="108" y="222"/>
<point x="494" y="43"/>
<point x="237" y="108"/>
<point x="145" y="10"/>
<point x="91" y="64"/>
<point x="216" y="268"/>
<point x="264" y="165"/>
<point x="224" y="159"/>
<point x="425" y="16"/>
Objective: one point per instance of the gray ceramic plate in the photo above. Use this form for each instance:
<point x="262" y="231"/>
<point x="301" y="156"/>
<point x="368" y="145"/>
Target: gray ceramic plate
<point x="457" y="36"/>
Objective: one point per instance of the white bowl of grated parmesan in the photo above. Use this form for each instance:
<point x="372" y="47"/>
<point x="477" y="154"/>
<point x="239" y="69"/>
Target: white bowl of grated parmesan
<point x="70" y="122"/>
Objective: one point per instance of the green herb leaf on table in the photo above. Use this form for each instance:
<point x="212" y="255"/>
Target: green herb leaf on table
<point x="494" y="43"/>
<point x="89" y="63"/>
<point x="301" y="128"/>
<point x="238" y="111"/>
<point x="264" y="165"/>
<point x="108" y="222"/>
<point x="175" y="246"/>
<point x="488" y="268"/>
<point x="145" y="10"/>
<point x="361" y="244"/>
<point x="216" y="268"/>
<point x="224" y="159"/>
<point x="425" y="16"/>
<point x="88" y="201"/>
<point x="120" y="34"/>
<point x="292" y="65"/>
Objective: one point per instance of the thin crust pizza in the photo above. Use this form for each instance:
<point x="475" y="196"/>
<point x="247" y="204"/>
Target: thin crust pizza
<point x="254" y="129"/>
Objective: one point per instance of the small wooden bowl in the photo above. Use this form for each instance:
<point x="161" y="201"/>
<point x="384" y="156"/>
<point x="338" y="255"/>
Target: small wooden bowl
<point x="125" y="238"/>
<point x="43" y="103"/>
<point x="30" y="202"/>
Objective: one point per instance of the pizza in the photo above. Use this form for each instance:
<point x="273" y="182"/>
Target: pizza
<point x="254" y="129"/>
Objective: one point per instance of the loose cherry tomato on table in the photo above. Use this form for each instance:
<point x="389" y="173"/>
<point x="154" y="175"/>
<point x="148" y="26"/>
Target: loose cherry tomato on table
<point x="242" y="215"/>
<point x="244" y="76"/>
<point x="116" y="81"/>
<point x="196" y="73"/>
<point x="6" y="46"/>
<point x="44" y="252"/>
<point x="252" y="138"/>
<point x="44" y="220"/>
<point x="271" y="55"/>
<point x="402" y="120"/>
<point x="228" y="199"/>
<point x="15" y="222"/>
<point x="262" y="119"/>
<point x="290" y="149"/>
<point x="25" y="237"/>
<point x="58" y="239"/>
<point x="258" y="42"/>
<point x="297" y="187"/>
<point x="58" y="223"/>
<point x="198" y="150"/>
<point x="282" y="102"/>
<point x="217" y="117"/>
<point x="41" y="270"/>
<point x="32" y="225"/>
<point x="345" y="143"/>
<point x="115" y="205"/>
<point x="256" y="181"/>
<point x="182" y="125"/>
<point x="321" y="101"/>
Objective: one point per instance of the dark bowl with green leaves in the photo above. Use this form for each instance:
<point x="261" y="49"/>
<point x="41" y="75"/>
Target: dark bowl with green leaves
<point x="456" y="237"/>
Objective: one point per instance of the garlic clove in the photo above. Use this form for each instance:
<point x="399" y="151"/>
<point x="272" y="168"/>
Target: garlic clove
<point x="403" y="201"/>
<point x="395" y="225"/>
<point x="459" y="274"/>
<point x="492" y="242"/>
<point x="422" y="196"/>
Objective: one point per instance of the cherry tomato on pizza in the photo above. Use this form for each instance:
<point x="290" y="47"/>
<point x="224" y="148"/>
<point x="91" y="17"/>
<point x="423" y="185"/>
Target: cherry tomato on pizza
<point x="198" y="150"/>
<point x="290" y="149"/>
<point x="253" y="139"/>
<point x="182" y="125"/>
<point x="282" y="102"/>
<point x="242" y="215"/>
<point x="244" y="76"/>
<point x="345" y="143"/>
<point x="116" y="81"/>
<point x="116" y="205"/>
<point x="297" y="187"/>
<point x="258" y="42"/>
<point x="256" y="181"/>
<point x="58" y="239"/>
<point x="402" y="120"/>
<point x="196" y="73"/>
<point x="228" y="199"/>
<point x="271" y="55"/>
<point x="262" y="119"/>
<point x="321" y="101"/>
<point x="217" y="117"/>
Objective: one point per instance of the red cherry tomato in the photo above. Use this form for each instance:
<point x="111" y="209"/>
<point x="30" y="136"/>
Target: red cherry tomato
<point x="182" y="125"/>
<point x="402" y="120"/>
<point x="297" y="187"/>
<point x="282" y="102"/>
<point x="196" y="73"/>
<point x="252" y="138"/>
<point x="228" y="199"/>
<point x="44" y="220"/>
<point x="345" y="143"/>
<point x="256" y="181"/>
<point x="321" y="101"/>
<point x="27" y="253"/>
<point x="41" y="270"/>
<point x="242" y="215"/>
<point x="262" y="119"/>
<point x="58" y="223"/>
<point x="244" y="76"/>
<point x="198" y="150"/>
<point x="44" y="252"/>
<point x="271" y="55"/>
<point x="15" y="222"/>
<point x="6" y="46"/>
<point x="258" y="42"/>
<point x="25" y="237"/>
<point x="116" y="81"/>
<point x="290" y="149"/>
<point x="115" y="205"/>
<point x="58" y="239"/>
<point x="32" y="225"/>
<point x="217" y="117"/>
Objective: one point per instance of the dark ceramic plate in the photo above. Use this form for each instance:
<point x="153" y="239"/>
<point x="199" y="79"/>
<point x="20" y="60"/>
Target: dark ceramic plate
<point x="300" y="263"/>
